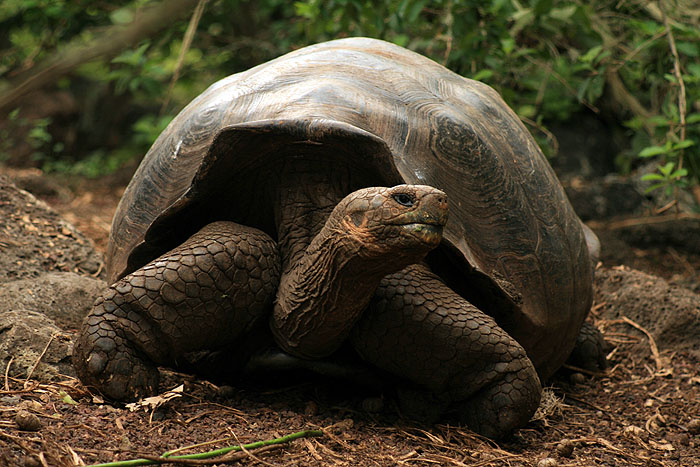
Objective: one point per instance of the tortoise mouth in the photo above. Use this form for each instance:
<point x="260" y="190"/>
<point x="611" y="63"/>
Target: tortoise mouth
<point x="427" y="232"/>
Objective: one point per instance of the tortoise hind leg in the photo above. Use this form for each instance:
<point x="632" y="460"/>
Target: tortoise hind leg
<point x="589" y="350"/>
<point x="418" y="329"/>
<point x="201" y="295"/>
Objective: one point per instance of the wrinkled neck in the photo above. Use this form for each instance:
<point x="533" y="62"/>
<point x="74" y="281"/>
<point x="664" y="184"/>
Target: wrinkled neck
<point x="325" y="284"/>
<point x="323" y="294"/>
<point x="307" y="191"/>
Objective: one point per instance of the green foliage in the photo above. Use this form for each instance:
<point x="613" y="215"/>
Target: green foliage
<point x="667" y="178"/>
<point x="35" y="132"/>
<point x="550" y="59"/>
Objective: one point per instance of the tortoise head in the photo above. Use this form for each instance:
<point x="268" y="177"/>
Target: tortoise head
<point x="405" y="221"/>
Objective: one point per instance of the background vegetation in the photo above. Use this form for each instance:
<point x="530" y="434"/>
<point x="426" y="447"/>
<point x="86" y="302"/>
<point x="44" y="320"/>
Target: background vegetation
<point x="78" y="93"/>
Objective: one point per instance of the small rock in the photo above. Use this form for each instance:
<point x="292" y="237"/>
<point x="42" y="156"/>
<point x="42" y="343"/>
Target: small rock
<point x="681" y="438"/>
<point x="10" y="400"/>
<point x="65" y="297"/>
<point x="311" y="409"/>
<point x="25" y="337"/>
<point x="577" y="378"/>
<point x="159" y="414"/>
<point x="125" y="443"/>
<point x="565" y="448"/>
<point x="343" y="425"/>
<point x="31" y="405"/>
<point x="635" y="431"/>
<point x="548" y="462"/>
<point x="694" y="426"/>
<point x="32" y="461"/>
<point x="226" y="391"/>
<point x="373" y="404"/>
<point x="27" y="421"/>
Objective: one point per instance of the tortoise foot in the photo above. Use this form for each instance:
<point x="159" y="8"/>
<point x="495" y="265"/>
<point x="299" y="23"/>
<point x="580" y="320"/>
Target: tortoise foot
<point x="107" y="361"/>
<point x="504" y="405"/>
<point x="589" y="352"/>
<point x="205" y="294"/>
<point x="494" y="411"/>
<point x="471" y="370"/>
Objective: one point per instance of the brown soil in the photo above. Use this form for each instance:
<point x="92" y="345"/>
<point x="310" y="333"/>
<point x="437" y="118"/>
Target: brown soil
<point x="644" y="411"/>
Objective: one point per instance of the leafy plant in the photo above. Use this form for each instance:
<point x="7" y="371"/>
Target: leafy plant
<point x="668" y="178"/>
<point x="35" y="132"/>
<point x="635" y="62"/>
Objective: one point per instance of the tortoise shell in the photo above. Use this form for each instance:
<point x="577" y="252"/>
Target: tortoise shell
<point x="513" y="244"/>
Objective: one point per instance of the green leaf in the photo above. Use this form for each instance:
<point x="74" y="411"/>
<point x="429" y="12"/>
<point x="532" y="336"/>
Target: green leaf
<point x="652" y="177"/>
<point x="654" y="187"/>
<point x="670" y="78"/>
<point x="482" y="75"/>
<point x="666" y="169"/>
<point x="589" y="56"/>
<point x="583" y="88"/>
<point x="401" y="39"/>
<point x="694" y="69"/>
<point x="542" y="6"/>
<point x="680" y="173"/>
<point x="413" y="11"/>
<point x="306" y="10"/>
<point x="564" y="13"/>
<point x="65" y="397"/>
<point x="527" y="111"/>
<point x="652" y="151"/>
<point x="692" y="118"/>
<point x="635" y="123"/>
<point x="507" y="45"/>
<point x="683" y="144"/>
<point x="658" y="120"/>
<point x="497" y="5"/>
<point x="122" y="16"/>
<point x="522" y="19"/>
<point x="688" y="48"/>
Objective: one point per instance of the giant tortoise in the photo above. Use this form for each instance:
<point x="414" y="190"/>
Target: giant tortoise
<point x="310" y="194"/>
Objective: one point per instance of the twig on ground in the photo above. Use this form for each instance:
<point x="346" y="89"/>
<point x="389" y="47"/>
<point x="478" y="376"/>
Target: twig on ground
<point x="312" y="450"/>
<point x="626" y="453"/>
<point x="215" y="456"/>
<point x="589" y="404"/>
<point x="195" y="446"/>
<point x="36" y="363"/>
<point x="598" y="374"/>
<point x="660" y="364"/>
<point x="7" y="373"/>
<point x="247" y="452"/>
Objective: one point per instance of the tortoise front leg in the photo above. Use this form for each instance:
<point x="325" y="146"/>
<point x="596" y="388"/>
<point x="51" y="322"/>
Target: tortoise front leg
<point x="201" y="295"/>
<point x="418" y="329"/>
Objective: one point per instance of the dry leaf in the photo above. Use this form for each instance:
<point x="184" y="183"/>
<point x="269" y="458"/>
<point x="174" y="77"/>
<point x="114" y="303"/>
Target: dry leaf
<point x="155" y="401"/>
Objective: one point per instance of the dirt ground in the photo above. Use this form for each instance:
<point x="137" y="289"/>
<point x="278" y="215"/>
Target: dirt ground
<point x="644" y="411"/>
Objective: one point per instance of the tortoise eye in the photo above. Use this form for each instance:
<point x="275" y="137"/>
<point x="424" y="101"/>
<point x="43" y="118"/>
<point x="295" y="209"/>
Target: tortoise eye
<point x="404" y="199"/>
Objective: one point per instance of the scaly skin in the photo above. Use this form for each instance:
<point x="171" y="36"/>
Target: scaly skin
<point x="201" y="295"/>
<point x="356" y="277"/>
<point x="418" y="328"/>
<point x="367" y="236"/>
<point x="589" y="351"/>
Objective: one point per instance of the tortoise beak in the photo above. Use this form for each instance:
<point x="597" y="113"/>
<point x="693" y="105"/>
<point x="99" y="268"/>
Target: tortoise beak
<point x="429" y="217"/>
<point x="431" y="207"/>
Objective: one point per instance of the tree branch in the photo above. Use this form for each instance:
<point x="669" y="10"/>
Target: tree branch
<point x="117" y="38"/>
